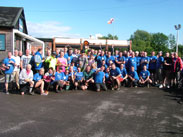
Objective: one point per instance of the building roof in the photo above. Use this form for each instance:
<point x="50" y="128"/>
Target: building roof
<point x="9" y="16"/>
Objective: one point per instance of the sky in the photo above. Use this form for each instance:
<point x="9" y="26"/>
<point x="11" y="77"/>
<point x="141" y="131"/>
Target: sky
<point x="82" y="18"/>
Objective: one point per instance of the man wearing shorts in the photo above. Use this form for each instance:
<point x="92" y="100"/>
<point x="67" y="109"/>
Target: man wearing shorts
<point x="8" y="64"/>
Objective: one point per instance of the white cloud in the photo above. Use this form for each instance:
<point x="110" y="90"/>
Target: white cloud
<point x="49" y="30"/>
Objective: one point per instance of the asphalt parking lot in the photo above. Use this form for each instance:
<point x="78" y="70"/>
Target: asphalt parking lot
<point x="130" y="112"/>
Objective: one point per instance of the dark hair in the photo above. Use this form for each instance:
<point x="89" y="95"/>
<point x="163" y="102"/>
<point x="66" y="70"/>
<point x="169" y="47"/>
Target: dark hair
<point x="51" y="68"/>
<point x="39" y="49"/>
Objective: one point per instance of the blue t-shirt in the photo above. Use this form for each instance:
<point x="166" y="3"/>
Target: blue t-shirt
<point x="144" y="74"/>
<point x="38" y="66"/>
<point x="79" y="76"/>
<point x="145" y="63"/>
<point x="110" y="58"/>
<point x="126" y="62"/>
<point x="134" y="75"/>
<point x="120" y="59"/>
<point x="66" y="55"/>
<point x="10" y="65"/>
<point x="59" y="76"/>
<point x="69" y="61"/>
<point x="65" y="77"/>
<point x="132" y="62"/>
<point x="115" y="72"/>
<point x="99" y="60"/>
<point x="99" y="77"/>
<point x="138" y="61"/>
<point x="107" y="76"/>
<point x="123" y="72"/>
<point x="152" y="63"/>
<point x="37" y="77"/>
<point x="160" y="62"/>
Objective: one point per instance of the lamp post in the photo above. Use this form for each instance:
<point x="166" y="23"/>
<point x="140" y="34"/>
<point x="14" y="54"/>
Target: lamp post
<point x="177" y="27"/>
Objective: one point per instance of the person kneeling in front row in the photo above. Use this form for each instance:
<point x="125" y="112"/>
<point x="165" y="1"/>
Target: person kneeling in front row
<point x="144" y="77"/>
<point x="26" y="80"/>
<point x="133" y="77"/>
<point x="39" y="82"/>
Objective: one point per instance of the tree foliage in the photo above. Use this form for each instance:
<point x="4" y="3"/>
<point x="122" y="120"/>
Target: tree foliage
<point x="110" y="36"/>
<point x="145" y="41"/>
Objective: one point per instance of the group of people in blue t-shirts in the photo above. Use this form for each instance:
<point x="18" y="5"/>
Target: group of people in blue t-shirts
<point x="68" y="69"/>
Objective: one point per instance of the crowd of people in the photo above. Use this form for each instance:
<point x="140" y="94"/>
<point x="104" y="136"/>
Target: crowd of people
<point x="72" y="69"/>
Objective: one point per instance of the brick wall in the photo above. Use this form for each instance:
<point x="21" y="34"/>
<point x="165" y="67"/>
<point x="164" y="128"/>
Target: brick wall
<point x="8" y="45"/>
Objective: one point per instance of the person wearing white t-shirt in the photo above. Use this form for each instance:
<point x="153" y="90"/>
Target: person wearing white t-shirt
<point x="25" y="59"/>
<point x="16" y="70"/>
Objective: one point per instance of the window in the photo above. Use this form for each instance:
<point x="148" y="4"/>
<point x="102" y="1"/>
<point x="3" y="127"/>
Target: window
<point x="2" y="41"/>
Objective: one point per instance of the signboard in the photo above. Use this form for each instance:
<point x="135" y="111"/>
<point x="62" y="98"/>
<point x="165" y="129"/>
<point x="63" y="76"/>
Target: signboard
<point x="2" y="41"/>
<point x="20" y="25"/>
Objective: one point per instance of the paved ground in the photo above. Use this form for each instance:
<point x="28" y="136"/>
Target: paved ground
<point x="129" y="112"/>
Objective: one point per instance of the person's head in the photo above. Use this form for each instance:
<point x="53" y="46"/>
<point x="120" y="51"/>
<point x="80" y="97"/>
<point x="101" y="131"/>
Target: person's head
<point x="167" y="54"/>
<point x="103" y="62"/>
<point x="145" y="67"/>
<point x="92" y="51"/>
<point x="27" y="52"/>
<point x="70" y="51"/>
<point x="50" y="71"/>
<point x="176" y="55"/>
<point x="57" y="51"/>
<point x="145" y="54"/>
<point x="113" y="66"/>
<point x="79" y="69"/>
<point x="102" y="53"/>
<point x="160" y="53"/>
<point x="132" y="69"/>
<point x="61" y="53"/>
<point x="110" y="62"/>
<point x="152" y="53"/>
<point x="102" y="68"/>
<point x="16" y="52"/>
<point x="120" y="54"/>
<point x="96" y="52"/>
<point x="93" y="66"/>
<point x="133" y="54"/>
<point x="107" y="70"/>
<point x="54" y="54"/>
<point x="65" y="49"/>
<point x="72" y="63"/>
<point x="40" y="50"/>
<point x="49" y="53"/>
<point x="20" y="53"/>
<point x="142" y="54"/>
<point x="9" y="54"/>
<point x="28" y="67"/>
<point x="136" y="53"/>
<point x="109" y="54"/>
<point x="172" y="55"/>
<point x="60" y="70"/>
<point x="116" y="52"/>
<point x="41" y="71"/>
<point x="82" y="53"/>
<point x="88" y="68"/>
<point x="121" y="66"/>
<point x="70" y="68"/>
<point x="75" y="51"/>
<point x="66" y="71"/>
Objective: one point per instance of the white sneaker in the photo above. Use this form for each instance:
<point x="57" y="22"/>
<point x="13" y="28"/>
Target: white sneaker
<point x="168" y="86"/>
<point x="44" y="94"/>
<point x="161" y="86"/>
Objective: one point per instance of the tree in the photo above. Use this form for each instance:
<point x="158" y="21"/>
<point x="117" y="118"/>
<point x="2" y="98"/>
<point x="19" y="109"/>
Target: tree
<point x="141" y="40"/>
<point x="159" y="42"/>
<point x="171" y="41"/>
<point x="110" y="36"/>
